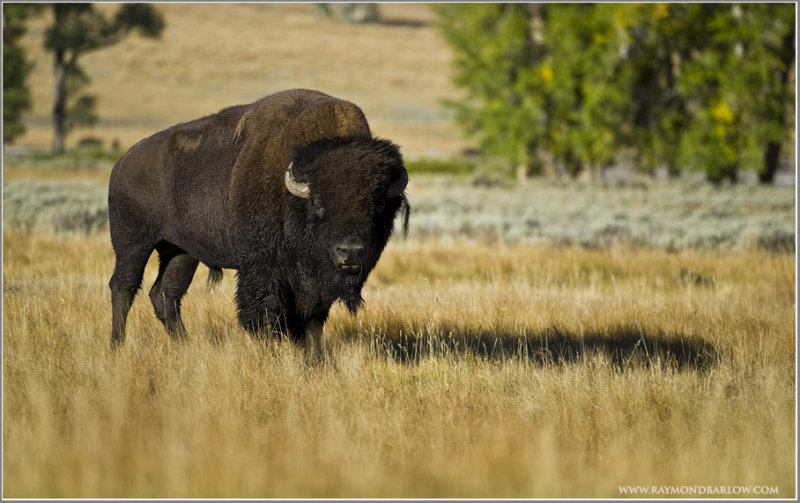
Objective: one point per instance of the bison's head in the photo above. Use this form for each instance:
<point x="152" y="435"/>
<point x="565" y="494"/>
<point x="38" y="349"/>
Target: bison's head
<point x="345" y="195"/>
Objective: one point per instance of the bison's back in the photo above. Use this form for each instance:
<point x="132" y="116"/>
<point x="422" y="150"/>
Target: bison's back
<point x="211" y="184"/>
<point x="173" y="187"/>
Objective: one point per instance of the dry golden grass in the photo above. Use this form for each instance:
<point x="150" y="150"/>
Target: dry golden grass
<point x="212" y="56"/>
<point x="223" y="416"/>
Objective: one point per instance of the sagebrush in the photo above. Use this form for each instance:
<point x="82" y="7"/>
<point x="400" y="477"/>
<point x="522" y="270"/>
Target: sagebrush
<point x="674" y="215"/>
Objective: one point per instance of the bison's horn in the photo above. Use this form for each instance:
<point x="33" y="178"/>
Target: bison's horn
<point x="295" y="187"/>
<point x="398" y="186"/>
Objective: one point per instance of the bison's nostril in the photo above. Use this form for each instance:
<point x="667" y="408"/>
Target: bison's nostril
<point x="349" y="254"/>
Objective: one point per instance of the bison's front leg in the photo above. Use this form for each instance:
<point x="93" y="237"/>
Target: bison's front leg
<point x="264" y="306"/>
<point x="260" y="301"/>
<point x="314" y="348"/>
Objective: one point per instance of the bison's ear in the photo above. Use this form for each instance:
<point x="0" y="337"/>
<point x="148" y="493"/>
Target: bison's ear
<point x="398" y="186"/>
<point x="298" y="189"/>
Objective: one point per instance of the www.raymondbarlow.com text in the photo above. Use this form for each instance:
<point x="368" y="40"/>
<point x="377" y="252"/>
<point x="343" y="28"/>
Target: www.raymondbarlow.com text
<point x="699" y="490"/>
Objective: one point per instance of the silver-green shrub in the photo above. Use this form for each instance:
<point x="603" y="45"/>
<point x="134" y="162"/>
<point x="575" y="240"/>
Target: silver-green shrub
<point x="662" y="213"/>
<point x="671" y="214"/>
<point x="56" y="205"/>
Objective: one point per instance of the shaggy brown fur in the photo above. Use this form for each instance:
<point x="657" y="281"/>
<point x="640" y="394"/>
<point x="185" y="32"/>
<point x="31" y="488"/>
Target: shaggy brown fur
<point x="212" y="191"/>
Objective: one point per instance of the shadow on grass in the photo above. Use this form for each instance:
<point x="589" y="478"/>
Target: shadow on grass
<point x="625" y="347"/>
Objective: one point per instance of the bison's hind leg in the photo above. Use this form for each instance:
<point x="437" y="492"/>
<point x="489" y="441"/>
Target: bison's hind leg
<point x="125" y="282"/>
<point x="175" y="272"/>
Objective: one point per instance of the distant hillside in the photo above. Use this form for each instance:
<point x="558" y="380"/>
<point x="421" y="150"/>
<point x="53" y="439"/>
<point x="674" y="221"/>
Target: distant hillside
<point x="214" y="55"/>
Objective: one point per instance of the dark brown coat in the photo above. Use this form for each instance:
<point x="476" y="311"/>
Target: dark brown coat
<point x="216" y="190"/>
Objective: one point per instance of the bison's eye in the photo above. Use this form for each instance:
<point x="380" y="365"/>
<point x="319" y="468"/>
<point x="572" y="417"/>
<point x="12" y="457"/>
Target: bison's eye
<point x="317" y="207"/>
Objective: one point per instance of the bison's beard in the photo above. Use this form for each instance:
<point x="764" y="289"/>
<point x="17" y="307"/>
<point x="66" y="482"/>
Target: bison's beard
<point x="350" y="291"/>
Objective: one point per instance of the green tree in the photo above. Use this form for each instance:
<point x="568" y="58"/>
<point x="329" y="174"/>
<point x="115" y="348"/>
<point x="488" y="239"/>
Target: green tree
<point x="735" y="82"/>
<point x="495" y="52"/>
<point x="589" y="88"/>
<point x="654" y="43"/>
<point x="16" y="68"/>
<point x="76" y="30"/>
<point x="688" y="86"/>
<point x="758" y="43"/>
<point x="539" y="81"/>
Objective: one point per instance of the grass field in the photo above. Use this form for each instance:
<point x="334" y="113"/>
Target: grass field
<point x="474" y="371"/>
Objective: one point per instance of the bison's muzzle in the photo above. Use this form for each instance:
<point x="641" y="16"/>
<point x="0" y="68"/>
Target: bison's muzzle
<point x="349" y="257"/>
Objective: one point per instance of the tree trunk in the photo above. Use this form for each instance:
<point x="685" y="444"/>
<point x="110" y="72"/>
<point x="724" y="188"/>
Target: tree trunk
<point x="59" y="98"/>
<point x="773" y="150"/>
<point x="771" y="157"/>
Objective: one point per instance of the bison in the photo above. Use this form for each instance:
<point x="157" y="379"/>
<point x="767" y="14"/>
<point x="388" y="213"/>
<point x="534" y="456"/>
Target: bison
<point x="292" y="191"/>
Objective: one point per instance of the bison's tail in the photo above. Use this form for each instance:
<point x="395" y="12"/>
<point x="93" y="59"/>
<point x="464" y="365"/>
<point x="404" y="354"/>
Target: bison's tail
<point x="214" y="277"/>
<point x="406" y="209"/>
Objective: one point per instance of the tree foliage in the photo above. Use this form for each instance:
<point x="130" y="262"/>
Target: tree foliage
<point x="493" y="51"/>
<point x="686" y="86"/>
<point x="16" y="68"/>
<point x="76" y="30"/>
